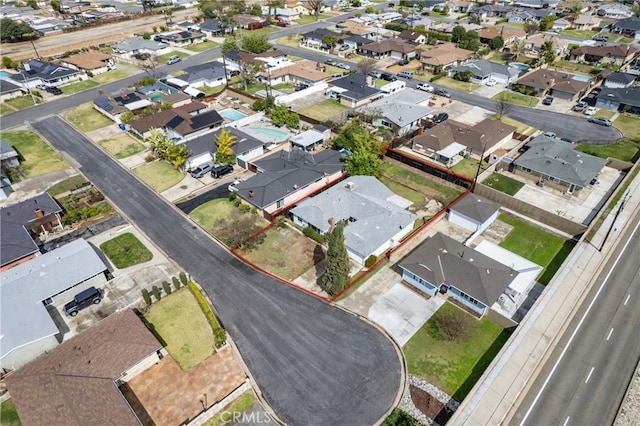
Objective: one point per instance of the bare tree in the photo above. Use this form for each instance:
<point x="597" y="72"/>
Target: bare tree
<point x="367" y="65"/>
<point x="503" y="107"/>
<point x="315" y="6"/>
<point x="150" y="66"/>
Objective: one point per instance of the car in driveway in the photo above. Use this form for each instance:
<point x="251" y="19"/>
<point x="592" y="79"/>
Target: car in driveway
<point x="590" y="111"/>
<point x="221" y="170"/>
<point x="88" y="297"/>
<point x="425" y="87"/>
<point x="387" y="76"/>
<point x="600" y="121"/>
<point x="580" y="106"/>
<point x="548" y="100"/>
<point x="491" y="82"/>
<point x="442" y="92"/>
<point x="443" y="116"/>
<point x="201" y="170"/>
<point x="54" y="90"/>
<point x="344" y="47"/>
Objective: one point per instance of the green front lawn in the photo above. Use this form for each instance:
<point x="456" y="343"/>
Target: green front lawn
<point x="69" y="184"/>
<point x="308" y="19"/>
<point x="201" y="47"/>
<point x="579" y="34"/>
<point x="625" y="151"/>
<point x="429" y="188"/>
<point x="469" y="167"/>
<point x="20" y="102"/>
<point x="324" y="110"/>
<point x="8" y="414"/>
<point x="604" y="113"/>
<point x="5" y="109"/>
<point x="516" y="98"/>
<point x="110" y="76"/>
<point x="39" y="157"/>
<point x="241" y="404"/>
<point x="179" y="322"/>
<point x="454" y="366"/>
<point x="380" y="82"/>
<point x="160" y="175"/>
<point x="537" y="245"/>
<point x="262" y="31"/>
<point x="164" y="58"/>
<point x="126" y="250"/>
<point x="629" y="126"/>
<point x="503" y="183"/>
<point x="451" y="83"/>
<point x="87" y="119"/>
<point x="122" y="145"/>
<point x="79" y="86"/>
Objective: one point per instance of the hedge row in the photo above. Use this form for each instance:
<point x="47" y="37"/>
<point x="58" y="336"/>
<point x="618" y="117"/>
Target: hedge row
<point x="218" y="332"/>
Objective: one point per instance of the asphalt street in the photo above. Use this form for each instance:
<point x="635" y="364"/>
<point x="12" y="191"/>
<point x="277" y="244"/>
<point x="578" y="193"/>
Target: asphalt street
<point x="584" y="380"/>
<point x="314" y="363"/>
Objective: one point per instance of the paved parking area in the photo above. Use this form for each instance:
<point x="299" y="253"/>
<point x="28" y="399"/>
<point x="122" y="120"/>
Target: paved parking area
<point x="307" y="101"/>
<point x="402" y="311"/>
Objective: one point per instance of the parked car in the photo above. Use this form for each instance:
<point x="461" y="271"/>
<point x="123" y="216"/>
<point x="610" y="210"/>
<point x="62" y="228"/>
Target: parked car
<point x="201" y="170"/>
<point x="221" y="170"/>
<point x="426" y="87"/>
<point x="375" y="74"/>
<point x="550" y="134"/>
<point x="406" y="74"/>
<point x="88" y="297"/>
<point x="600" y="37"/>
<point x="344" y="47"/>
<point x="590" y="111"/>
<point x="403" y="62"/>
<point x="343" y="66"/>
<point x="491" y="82"/>
<point x="548" y="100"/>
<point x="443" y="92"/>
<point x="580" y="106"/>
<point x="388" y="76"/>
<point x="524" y="148"/>
<point x="54" y="90"/>
<point x="600" y="121"/>
<point x="174" y="60"/>
<point x="443" y="116"/>
<point x="42" y="87"/>
<point x="331" y="62"/>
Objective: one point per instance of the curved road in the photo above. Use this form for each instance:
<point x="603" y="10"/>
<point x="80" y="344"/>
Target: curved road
<point x="314" y="363"/>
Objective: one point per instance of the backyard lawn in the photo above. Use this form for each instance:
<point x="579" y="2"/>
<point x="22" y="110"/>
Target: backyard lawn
<point x="20" y="102"/>
<point x="87" y="119"/>
<point x="469" y="167"/>
<point x="324" y="110"/>
<point x="503" y="183"/>
<point x="122" y="145"/>
<point x="201" y="47"/>
<point x="126" y="250"/>
<point x="396" y="177"/>
<point x="451" y="83"/>
<point x="180" y="323"/>
<point x="226" y="221"/>
<point x="579" y="34"/>
<point x="110" y="76"/>
<point x="516" y="98"/>
<point x="160" y="175"/>
<point x="629" y="126"/>
<point x="39" y="157"/>
<point x="537" y="245"/>
<point x="79" y="86"/>
<point x="74" y="182"/>
<point x="241" y="404"/>
<point x="625" y="151"/>
<point x="573" y="66"/>
<point x="208" y="91"/>
<point x="8" y="414"/>
<point x="285" y="253"/>
<point x="454" y="366"/>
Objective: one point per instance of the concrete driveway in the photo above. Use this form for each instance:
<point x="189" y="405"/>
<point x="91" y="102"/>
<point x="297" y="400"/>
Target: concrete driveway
<point x="402" y="311"/>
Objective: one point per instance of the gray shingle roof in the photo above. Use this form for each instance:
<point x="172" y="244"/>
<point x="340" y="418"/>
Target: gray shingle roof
<point x="6" y="150"/>
<point x="355" y="85"/>
<point x="372" y="219"/>
<point x="482" y="67"/>
<point x="46" y="71"/>
<point x="621" y="77"/>
<point x="476" y="208"/>
<point x="210" y="71"/>
<point x="7" y="87"/>
<point x="627" y="95"/>
<point x="556" y="158"/>
<point x="207" y="142"/>
<point x="442" y="260"/>
<point x="138" y="43"/>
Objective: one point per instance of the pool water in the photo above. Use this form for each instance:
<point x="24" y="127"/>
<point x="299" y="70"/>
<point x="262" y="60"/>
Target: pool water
<point x="155" y="96"/>
<point x="232" y="114"/>
<point x="523" y="67"/>
<point x="276" y="134"/>
<point x="4" y="74"/>
<point x="581" y="78"/>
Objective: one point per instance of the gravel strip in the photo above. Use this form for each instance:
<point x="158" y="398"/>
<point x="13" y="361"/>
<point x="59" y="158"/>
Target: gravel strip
<point x="406" y="404"/>
<point x="630" y="409"/>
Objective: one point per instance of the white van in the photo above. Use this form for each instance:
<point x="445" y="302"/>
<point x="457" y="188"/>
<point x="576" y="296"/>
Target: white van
<point x="393" y="87"/>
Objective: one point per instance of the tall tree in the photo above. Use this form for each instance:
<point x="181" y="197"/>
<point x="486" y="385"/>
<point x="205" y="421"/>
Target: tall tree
<point x="496" y="43"/>
<point x="336" y="274"/>
<point x="13" y="31"/>
<point x="150" y="65"/>
<point x="367" y="65"/>
<point x="228" y="45"/>
<point x="224" y="151"/>
<point x="574" y="11"/>
<point x="248" y="72"/>
<point x="158" y="142"/>
<point x="470" y="41"/>
<point x="548" y="52"/>
<point x="531" y="27"/>
<point x="364" y="159"/>
<point x="256" y="10"/>
<point x="517" y="49"/>
<point x="255" y="43"/>
<point x="330" y="40"/>
<point x="177" y="154"/>
<point x="458" y="33"/>
<point x="547" y="22"/>
<point x="315" y="6"/>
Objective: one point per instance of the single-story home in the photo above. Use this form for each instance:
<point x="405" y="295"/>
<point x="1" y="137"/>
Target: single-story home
<point x="473" y="213"/>
<point x="533" y="43"/>
<point x="618" y="80"/>
<point x="114" y="106"/>
<point x="402" y="112"/>
<point x="93" y="61"/>
<point x="204" y="147"/>
<point x="484" y="70"/>
<point x="311" y="139"/>
<point x="314" y="37"/>
<point x="77" y="383"/>
<point x="352" y="27"/>
<point x="302" y="72"/>
<point x="34" y="72"/>
<point x="9" y="157"/>
<point x="492" y="11"/>
<point x="249" y="22"/>
<point x="509" y="35"/>
<point x="394" y="48"/>
<point x="284" y="178"/>
<point x="412" y="36"/>
<point x="442" y="264"/>
<point x="188" y="120"/>
<point x="376" y="218"/>
<point x="620" y="99"/>
<point x="20" y="225"/>
<point x="444" y="56"/>
<point x="180" y="38"/>
<point x="586" y="22"/>
<point x="213" y="28"/>
<point x="556" y="162"/>
<point x="28" y="330"/>
<point x="137" y="45"/>
<point x="610" y="54"/>
<point x="353" y="90"/>
<point x="626" y="26"/>
<point x="561" y="25"/>
<point x="9" y="90"/>
<point x="541" y="82"/>
<point x="209" y="74"/>
<point x="615" y="11"/>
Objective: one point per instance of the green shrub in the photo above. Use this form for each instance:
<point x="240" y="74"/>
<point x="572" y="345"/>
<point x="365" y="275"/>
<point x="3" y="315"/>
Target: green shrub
<point x="219" y="337"/>
<point x="281" y="221"/>
<point x="156" y="292"/>
<point x="176" y="282"/>
<point x="183" y="278"/>
<point x="233" y="195"/>
<point x="244" y="208"/>
<point x="237" y="202"/>
<point x="371" y="260"/>
<point x="313" y="234"/>
<point x="204" y="306"/>
<point x="146" y="297"/>
<point x="166" y="287"/>
<point x="437" y="77"/>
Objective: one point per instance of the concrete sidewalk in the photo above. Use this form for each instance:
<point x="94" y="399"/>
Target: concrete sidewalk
<point x="493" y="399"/>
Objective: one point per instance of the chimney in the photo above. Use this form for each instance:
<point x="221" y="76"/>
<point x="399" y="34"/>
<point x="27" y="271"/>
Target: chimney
<point x="39" y="213"/>
<point x="251" y="194"/>
<point x="350" y="185"/>
<point x="332" y="225"/>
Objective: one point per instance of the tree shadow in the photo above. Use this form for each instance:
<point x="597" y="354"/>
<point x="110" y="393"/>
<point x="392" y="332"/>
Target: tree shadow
<point x="319" y="263"/>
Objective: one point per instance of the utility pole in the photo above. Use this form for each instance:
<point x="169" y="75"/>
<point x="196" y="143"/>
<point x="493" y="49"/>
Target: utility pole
<point x="613" y="222"/>
<point x="475" y="179"/>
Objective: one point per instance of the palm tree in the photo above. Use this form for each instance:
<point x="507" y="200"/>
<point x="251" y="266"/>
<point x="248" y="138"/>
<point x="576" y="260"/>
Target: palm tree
<point x="177" y="155"/>
<point x="574" y="11"/>
<point x="224" y="151"/>
<point x="157" y="142"/>
<point x="517" y="49"/>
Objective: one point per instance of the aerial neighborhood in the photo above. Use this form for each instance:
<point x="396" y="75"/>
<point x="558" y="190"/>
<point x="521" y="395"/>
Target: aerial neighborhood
<point x="216" y="212"/>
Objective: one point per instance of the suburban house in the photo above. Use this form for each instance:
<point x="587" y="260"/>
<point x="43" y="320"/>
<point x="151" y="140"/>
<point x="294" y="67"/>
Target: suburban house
<point x="181" y="38"/>
<point x="473" y="213"/>
<point x="204" y="147"/>
<point x="210" y="74"/>
<point x="521" y="16"/>
<point x="484" y="70"/>
<point x="186" y="121"/>
<point x="20" y="225"/>
<point x="286" y="14"/>
<point x="47" y="26"/>
<point x="212" y="28"/>
<point x="541" y="82"/>
<point x="450" y="141"/>
<point x="9" y="90"/>
<point x="509" y="35"/>
<point x="461" y="6"/>
<point x="77" y="383"/>
<point x="5" y="187"/>
<point x="34" y="72"/>
<point x="237" y="59"/>
<point x="492" y="11"/>
<point x="314" y="38"/>
<point x="249" y="22"/>
<point x="376" y="218"/>
<point x="626" y="26"/>
<point x="93" y="61"/>
<point x="352" y="27"/>
<point x="586" y="22"/>
<point x="620" y="99"/>
<point x="442" y="264"/>
<point x="403" y="112"/>
<point x="443" y="56"/>
<point x="613" y="54"/>
<point x="284" y="178"/>
<point x="114" y="106"/>
<point x="619" y="80"/>
<point x="354" y="42"/>
<point x="28" y="330"/>
<point x="412" y="36"/>
<point x="394" y="48"/>
<point x="311" y="139"/>
<point x="556" y="162"/>
<point x="9" y="157"/>
<point x="561" y="25"/>
<point x="138" y="45"/>
<point x="353" y="90"/>
<point x="304" y="72"/>
<point x="533" y="43"/>
<point x="615" y="11"/>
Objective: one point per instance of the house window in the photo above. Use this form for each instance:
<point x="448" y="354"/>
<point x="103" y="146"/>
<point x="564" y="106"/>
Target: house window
<point x="524" y="169"/>
<point x="47" y="301"/>
<point x="387" y="124"/>
<point x="280" y="203"/>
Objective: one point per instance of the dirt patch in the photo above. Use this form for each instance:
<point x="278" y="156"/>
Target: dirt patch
<point x="430" y="406"/>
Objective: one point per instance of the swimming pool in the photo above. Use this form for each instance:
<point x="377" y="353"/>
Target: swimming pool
<point x="581" y="78"/>
<point x="4" y="74"/>
<point x="232" y="114"/>
<point x="275" y="135"/>
<point x="523" y="67"/>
